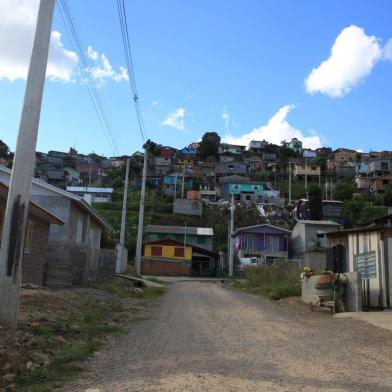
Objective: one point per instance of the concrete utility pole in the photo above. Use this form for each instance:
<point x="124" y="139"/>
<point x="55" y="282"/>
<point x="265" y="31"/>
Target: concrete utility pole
<point x="331" y="189"/>
<point x="138" y="256"/>
<point x="120" y="254"/>
<point x="183" y="183"/>
<point x="290" y="182"/>
<point x="11" y="253"/>
<point x="326" y="188"/>
<point x="231" y="256"/>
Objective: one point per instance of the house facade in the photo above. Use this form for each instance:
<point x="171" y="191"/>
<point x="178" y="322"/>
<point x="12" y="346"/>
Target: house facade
<point x="230" y="168"/>
<point x="265" y="242"/>
<point x="92" y="194"/>
<point x="309" y="242"/>
<point x="35" y="249"/>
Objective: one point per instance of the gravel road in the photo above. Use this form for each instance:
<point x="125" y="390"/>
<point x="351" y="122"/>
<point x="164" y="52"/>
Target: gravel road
<point x="203" y="337"/>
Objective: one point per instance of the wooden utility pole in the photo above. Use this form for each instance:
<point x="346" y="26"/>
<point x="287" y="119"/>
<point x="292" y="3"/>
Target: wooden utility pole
<point x="183" y="183"/>
<point x="11" y="252"/>
<point x="290" y="182"/>
<point x="139" y="241"/>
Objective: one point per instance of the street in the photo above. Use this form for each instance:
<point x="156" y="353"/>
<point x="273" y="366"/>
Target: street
<point x="203" y="337"/>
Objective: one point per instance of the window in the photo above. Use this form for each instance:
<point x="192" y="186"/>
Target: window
<point x="156" y="251"/>
<point x="320" y="233"/>
<point x="366" y="265"/>
<point x="249" y="241"/>
<point x="29" y="236"/>
<point x="178" y="252"/>
<point x="273" y="243"/>
<point x="384" y="165"/>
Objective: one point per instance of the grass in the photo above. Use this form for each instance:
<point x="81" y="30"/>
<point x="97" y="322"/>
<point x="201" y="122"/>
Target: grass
<point x="277" y="281"/>
<point x="89" y="329"/>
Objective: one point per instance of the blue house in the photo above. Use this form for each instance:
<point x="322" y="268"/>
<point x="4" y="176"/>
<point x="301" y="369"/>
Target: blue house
<point x="172" y="184"/>
<point x="242" y="187"/>
<point x="188" y="151"/>
<point x="265" y="242"/>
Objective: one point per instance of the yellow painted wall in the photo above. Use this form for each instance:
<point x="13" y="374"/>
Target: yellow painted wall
<point x="168" y="251"/>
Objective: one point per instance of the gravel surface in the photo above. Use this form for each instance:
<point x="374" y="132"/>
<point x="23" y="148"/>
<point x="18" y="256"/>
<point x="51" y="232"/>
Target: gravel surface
<point x="203" y="337"/>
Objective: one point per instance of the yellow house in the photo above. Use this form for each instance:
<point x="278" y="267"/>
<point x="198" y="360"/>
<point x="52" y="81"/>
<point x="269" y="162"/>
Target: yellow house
<point x="168" y="249"/>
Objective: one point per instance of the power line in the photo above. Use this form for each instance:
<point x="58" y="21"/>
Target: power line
<point x="129" y="63"/>
<point x="85" y="65"/>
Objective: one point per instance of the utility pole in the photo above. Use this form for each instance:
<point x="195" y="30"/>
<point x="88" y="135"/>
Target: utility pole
<point x="331" y="189"/>
<point x="231" y="256"/>
<point x="326" y="188"/>
<point x="11" y="252"/>
<point x="306" y="174"/>
<point x="185" y="238"/>
<point x="175" y="188"/>
<point x="138" y="256"/>
<point x="120" y="249"/>
<point x="290" y="182"/>
<point x="183" y="183"/>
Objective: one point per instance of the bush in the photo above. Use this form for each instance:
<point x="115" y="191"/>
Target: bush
<point x="277" y="281"/>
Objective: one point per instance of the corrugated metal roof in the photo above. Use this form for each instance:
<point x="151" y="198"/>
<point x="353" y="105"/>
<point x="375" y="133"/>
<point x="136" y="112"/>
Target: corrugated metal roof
<point x="89" y="189"/>
<point x="318" y="223"/>
<point x="207" y="231"/>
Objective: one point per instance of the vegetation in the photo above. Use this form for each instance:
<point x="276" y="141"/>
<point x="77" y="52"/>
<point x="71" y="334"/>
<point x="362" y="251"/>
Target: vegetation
<point x="280" y="280"/>
<point x="358" y="211"/>
<point x="345" y="190"/>
<point x="209" y="145"/>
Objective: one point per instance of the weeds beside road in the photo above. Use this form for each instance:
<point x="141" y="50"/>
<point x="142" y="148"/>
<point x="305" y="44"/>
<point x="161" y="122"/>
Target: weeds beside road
<point x="280" y="280"/>
<point x="59" y="329"/>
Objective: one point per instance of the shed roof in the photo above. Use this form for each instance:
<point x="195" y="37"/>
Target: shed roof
<point x="205" y="231"/>
<point x="318" y="223"/>
<point x="255" y="227"/>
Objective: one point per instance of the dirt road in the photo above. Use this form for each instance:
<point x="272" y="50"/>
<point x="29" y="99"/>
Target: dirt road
<point x="202" y="337"/>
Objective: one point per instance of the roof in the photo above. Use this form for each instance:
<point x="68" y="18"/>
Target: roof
<point x="357" y="230"/>
<point x="38" y="211"/>
<point x="82" y="203"/>
<point x="89" y="189"/>
<point x="234" y="178"/>
<point x="207" y="231"/>
<point x="318" y="223"/>
<point x="244" y="229"/>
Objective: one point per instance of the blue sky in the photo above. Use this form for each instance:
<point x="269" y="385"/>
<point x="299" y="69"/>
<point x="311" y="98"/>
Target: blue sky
<point x="237" y="68"/>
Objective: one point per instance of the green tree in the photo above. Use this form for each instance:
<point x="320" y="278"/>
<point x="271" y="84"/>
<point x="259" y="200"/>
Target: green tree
<point x="209" y="145"/>
<point x="4" y="150"/>
<point x="315" y="204"/>
<point x="344" y="190"/>
<point x="388" y="196"/>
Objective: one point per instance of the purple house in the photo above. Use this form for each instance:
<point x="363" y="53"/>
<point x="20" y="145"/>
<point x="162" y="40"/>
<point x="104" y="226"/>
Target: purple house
<point x="265" y="242"/>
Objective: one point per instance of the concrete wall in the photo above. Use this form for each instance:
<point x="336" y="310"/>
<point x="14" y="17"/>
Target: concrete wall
<point x="188" y="207"/>
<point x="162" y="267"/>
<point x="352" y="299"/>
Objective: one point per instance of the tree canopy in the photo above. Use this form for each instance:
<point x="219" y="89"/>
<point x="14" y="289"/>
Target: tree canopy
<point x="315" y="203"/>
<point x="4" y="150"/>
<point x="209" y="145"/>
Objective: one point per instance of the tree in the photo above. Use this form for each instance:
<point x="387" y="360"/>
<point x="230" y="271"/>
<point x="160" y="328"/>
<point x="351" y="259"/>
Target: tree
<point x="345" y="190"/>
<point x="209" y="145"/>
<point x="153" y="148"/>
<point x="4" y="150"/>
<point x="315" y="203"/>
<point x="388" y="196"/>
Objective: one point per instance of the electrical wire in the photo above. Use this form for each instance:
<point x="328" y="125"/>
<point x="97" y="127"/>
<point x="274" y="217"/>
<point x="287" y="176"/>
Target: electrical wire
<point x="94" y="88"/>
<point x="129" y="64"/>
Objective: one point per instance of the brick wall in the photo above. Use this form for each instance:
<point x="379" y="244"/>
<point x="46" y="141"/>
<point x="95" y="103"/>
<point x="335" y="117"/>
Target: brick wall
<point x="163" y="267"/>
<point x="35" y="261"/>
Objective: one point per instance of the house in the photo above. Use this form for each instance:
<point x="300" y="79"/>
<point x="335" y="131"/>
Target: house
<point x="265" y="242"/>
<point x="226" y="158"/>
<point x="230" y="168"/>
<point x="188" y="207"/>
<point x="72" y="176"/>
<point x="380" y="166"/>
<point x="162" y="165"/>
<point x="74" y="248"/>
<point x="244" y="192"/>
<point x="309" y="242"/>
<point x="168" y="152"/>
<point x="344" y="172"/>
<point x="295" y="145"/>
<point x="257" y="146"/>
<point x="171" y="184"/>
<point x="207" y="191"/>
<point x="332" y="210"/>
<point x="379" y="184"/>
<point x="232" y="148"/>
<point x="92" y="194"/>
<point x="367" y="250"/>
<point x="345" y="155"/>
<point x="361" y="169"/>
<point x="189" y="151"/>
<point x="269" y="157"/>
<point x="364" y="184"/>
<point x="253" y="162"/>
<point x="224" y="184"/>
<point x="56" y="177"/>
<point x="198" y="236"/>
<point x="168" y="257"/>
<point x="35" y="255"/>
<point x="305" y="169"/>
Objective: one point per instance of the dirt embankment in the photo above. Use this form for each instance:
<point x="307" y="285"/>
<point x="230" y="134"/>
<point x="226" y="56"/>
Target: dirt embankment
<point x="58" y="329"/>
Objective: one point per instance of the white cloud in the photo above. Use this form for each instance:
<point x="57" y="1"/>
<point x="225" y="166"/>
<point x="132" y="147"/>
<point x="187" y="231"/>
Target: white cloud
<point x="275" y="131"/>
<point x="353" y="56"/>
<point x="176" y="119"/>
<point x="18" y="18"/>
<point x="103" y="69"/>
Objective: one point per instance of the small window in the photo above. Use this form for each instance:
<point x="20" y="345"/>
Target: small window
<point x="156" y="251"/>
<point x="29" y="236"/>
<point x="178" y="252"/>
